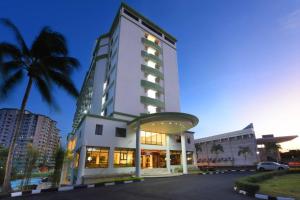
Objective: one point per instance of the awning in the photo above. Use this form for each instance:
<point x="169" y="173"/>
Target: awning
<point x="165" y="122"/>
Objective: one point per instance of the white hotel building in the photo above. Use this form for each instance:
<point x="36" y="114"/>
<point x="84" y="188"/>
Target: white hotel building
<point x="128" y="118"/>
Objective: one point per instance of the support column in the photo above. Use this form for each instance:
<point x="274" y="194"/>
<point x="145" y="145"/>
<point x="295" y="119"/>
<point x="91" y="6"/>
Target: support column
<point x="81" y="165"/>
<point x="138" y="151"/>
<point x="183" y="154"/>
<point x="168" y="159"/>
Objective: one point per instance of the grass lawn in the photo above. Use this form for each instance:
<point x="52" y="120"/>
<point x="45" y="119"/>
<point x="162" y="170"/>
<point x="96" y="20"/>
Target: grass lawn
<point x="284" y="186"/>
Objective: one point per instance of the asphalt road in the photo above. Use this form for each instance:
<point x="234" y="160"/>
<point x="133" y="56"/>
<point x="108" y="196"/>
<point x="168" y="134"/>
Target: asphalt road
<point x="200" y="187"/>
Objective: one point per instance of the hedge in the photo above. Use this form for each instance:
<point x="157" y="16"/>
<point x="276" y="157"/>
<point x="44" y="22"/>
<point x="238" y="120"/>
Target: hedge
<point x="250" y="183"/>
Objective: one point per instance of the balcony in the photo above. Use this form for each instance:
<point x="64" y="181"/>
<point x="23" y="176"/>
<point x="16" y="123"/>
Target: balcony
<point x="153" y="71"/>
<point x="151" y="44"/>
<point x="151" y="101"/>
<point x="151" y="57"/>
<point x="150" y="85"/>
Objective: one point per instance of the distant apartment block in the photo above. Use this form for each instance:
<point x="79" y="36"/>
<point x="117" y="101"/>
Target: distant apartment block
<point x="38" y="130"/>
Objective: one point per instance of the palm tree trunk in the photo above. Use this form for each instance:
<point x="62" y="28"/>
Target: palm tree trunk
<point x="8" y="166"/>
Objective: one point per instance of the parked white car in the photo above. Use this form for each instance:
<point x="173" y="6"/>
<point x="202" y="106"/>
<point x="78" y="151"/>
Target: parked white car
<point x="262" y="166"/>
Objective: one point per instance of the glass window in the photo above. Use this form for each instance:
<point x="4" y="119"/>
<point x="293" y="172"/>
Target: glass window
<point x="189" y="140"/>
<point x="189" y="157"/>
<point x="99" y="129"/>
<point x="151" y="78"/>
<point x="96" y="157"/>
<point x="151" y="109"/>
<point x="150" y="50"/>
<point x="120" y="132"/>
<point x="175" y="157"/>
<point x="151" y="93"/>
<point x="178" y="138"/>
<point x="153" y="138"/>
<point x="151" y="64"/>
<point x="124" y="157"/>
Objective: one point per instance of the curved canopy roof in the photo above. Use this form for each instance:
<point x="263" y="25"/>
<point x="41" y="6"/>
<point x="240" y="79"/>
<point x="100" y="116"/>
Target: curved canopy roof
<point x="165" y="122"/>
<point x="275" y="139"/>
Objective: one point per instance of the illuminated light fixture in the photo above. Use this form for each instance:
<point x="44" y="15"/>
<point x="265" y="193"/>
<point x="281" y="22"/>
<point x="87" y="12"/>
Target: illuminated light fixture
<point x="85" y="111"/>
<point x="89" y="158"/>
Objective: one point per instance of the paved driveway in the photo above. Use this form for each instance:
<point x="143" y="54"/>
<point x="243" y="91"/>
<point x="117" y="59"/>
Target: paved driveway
<point x="204" y="187"/>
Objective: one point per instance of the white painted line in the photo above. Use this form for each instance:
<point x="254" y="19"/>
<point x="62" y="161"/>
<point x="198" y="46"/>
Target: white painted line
<point x="261" y="196"/>
<point x="36" y="191"/>
<point x="128" y="181"/>
<point x="242" y="170"/>
<point x="108" y="184"/>
<point x="243" y="192"/>
<point x="252" y="170"/>
<point x="233" y="170"/>
<point x="66" y="188"/>
<point x="16" y="194"/>
<point x="91" y="186"/>
<point x="285" y="198"/>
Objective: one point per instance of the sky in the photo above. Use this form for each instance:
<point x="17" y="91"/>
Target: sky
<point x="239" y="61"/>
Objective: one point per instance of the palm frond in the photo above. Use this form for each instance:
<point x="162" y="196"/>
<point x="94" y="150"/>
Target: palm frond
<point x="44" y="89"/>
<point x="11" y="82"/>
<point x="64" y="64"/>
<point x="17" y="34"/>
<point x="49" y="43"/>
<point x="10" y="66"/>
<point x="9" y="50"/>
<point x="65" y="82"/>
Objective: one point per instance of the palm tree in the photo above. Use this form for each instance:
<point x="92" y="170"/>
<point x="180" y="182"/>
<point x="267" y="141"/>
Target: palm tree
<point x="46" y="63"/>
<point x="244" y="151"/>
<point x="273" y="149"/>
<point x="216" y="149"/>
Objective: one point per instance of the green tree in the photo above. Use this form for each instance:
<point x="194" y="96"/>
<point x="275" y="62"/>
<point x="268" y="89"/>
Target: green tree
<point x="245" y="151"/>
<point x="216" y="149"/>
<point x="59" y="161"/>
<point x="273" y="149"/>
<point x="45" y="64"/>
<point x="3" y="156"/>
<point x="32" y="155"/>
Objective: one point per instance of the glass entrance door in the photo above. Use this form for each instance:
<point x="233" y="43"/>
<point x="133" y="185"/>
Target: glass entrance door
<point x="153" y="159"/>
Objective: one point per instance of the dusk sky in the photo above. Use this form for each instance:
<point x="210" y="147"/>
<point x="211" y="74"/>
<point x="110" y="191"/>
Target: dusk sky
<point x="239" y="61"/>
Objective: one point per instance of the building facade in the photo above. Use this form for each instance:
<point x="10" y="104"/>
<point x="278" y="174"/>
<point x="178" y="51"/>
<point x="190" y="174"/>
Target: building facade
<point x="38" y="130"/>
<point x="128" y="116"/>
<point x="237" y="148"/>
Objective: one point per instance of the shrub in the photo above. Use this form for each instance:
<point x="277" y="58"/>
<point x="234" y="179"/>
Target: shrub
<point x="249" y="183"/>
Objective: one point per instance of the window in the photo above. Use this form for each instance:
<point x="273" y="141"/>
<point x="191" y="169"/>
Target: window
<point x="178" y="138"/>
<point x="151" y="78"/>
<point x="151" y="64"/>
<point x="124" y="157"/>
<point x="131" y="15"/>
<point x="120" y="132"/>
<point x="152" y="51"/>
<point x="189" y="140"/>
<point x="151" y="93"/>
<point x="189" y="157"/>
<point x="169" y="40"/>
<point x="175" y="157"/>
<point x="151" y="28"/>
<point x="99" y="129"/>
<point x="96" y="157"/>
<point x="153" y="138"/>
<point x="151" y="109"/>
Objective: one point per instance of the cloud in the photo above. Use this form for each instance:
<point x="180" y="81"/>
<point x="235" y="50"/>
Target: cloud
<point x="291" y="21"/>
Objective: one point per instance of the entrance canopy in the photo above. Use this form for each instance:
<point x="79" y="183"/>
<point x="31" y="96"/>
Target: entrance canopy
<point x="165" y="122"/>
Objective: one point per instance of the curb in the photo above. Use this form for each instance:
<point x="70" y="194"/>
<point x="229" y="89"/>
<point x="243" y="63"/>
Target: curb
<point x="226" y="171"/>
<point x="67" y="188"/>
<point x="262" y="196"/>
